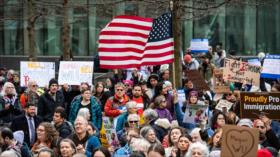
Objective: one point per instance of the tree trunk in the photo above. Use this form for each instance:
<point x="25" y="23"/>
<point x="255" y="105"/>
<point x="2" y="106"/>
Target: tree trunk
<point x="31" y="31"/>
<point x="65" y="33"/>
<point x="177" y="32"/>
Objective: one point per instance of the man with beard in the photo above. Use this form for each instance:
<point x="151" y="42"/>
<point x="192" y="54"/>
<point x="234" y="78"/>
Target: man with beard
<point x="49" y="101"/>
<point x="9" y="143"/>
<point x="28" y="123"/>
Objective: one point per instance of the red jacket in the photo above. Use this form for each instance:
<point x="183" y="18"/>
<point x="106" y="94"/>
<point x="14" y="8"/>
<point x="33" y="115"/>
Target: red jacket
<point x="113" y="105"/>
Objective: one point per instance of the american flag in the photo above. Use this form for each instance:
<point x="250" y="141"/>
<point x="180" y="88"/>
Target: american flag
<point x="132" y="41"/>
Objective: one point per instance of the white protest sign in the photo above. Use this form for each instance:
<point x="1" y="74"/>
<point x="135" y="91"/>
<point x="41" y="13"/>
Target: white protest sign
<point x="199" y="45"/>
<point x="41" y="72"/>
<point x="181" y="97"/>
<point x="75" y="72"/>
<point x="224" y="104"/>
<point x="271" y="67"/>
<point x="254" y="62"/>
<point x="237" y="71"/>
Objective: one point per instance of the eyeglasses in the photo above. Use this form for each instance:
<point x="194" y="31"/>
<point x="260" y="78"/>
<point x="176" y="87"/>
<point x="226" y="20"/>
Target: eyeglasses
<point x="262" y="127"/>
<point x="119" y="89"/>
<point x="163" y="101"/>
<point x="133" y="121"/>
<point x="10" y="87"/>
<point x="126" y="85"/>
<point x="34" y="85"/>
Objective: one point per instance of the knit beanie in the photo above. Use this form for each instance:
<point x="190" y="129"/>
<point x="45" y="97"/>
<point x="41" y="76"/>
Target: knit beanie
<point x="187" y="58"/>
<point x="53" y="81"/>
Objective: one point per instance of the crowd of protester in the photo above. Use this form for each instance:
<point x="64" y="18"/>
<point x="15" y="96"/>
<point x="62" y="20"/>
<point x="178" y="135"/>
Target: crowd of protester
<point x="64" y="120"/>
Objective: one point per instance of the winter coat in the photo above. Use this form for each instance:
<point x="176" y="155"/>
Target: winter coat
<point x="113" y="106"/>
<point x="47" y="105"/>
<point x="95" y="111"/>
<point x="7" y="115"/>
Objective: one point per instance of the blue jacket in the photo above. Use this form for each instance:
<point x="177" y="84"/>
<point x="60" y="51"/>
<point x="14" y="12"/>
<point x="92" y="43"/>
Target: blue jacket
<point x="121" y="121"/>
<point x="92" y="143"/>
<point x="96" y="113"/>
<point x="123" y="151"/>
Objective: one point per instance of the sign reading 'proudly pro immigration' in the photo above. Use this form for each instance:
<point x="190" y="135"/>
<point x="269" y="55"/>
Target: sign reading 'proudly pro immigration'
<point x="237" y="71"/>
<point x="253" y="104"/>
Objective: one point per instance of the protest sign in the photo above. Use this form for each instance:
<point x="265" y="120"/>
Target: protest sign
<point x="237" y="71"/>
<point x="41" y="72"/>
<point x="197" y="79"/>
<point x="254" y="62"/>
<point x="255" y="103"/>
<point x="194" y="114"/>
<point x="111" y="135"/>
<point x="220" y="86"/>
<point x="181" y="97"/>
<point x="199" y="45"/>
<point x="224" y="104"/>
<point x="239" y="141"/>
<point x="74" y="72"/>
<point x="271" y="67"/>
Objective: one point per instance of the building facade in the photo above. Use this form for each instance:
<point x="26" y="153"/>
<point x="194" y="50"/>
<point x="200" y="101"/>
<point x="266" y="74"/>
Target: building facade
<point x="246" y="29"/>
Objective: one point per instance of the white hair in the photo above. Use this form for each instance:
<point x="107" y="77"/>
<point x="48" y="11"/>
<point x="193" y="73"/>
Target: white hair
<point x="8" y="153"/>
<point x="133" y="116"/>
<point x="131" y="104"/>
<point x="3" y="92"/>
<point x="84" y="112"/>
<point x="150" y="114"/>
<point x="195" y="131"/>
<point x="81" y="118"/>
<point x="139" y="144"/>
<point x="197" y="145"/>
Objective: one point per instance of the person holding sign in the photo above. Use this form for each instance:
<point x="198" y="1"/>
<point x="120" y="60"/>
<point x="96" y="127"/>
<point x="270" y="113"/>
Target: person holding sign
<point x="191" y="114"/>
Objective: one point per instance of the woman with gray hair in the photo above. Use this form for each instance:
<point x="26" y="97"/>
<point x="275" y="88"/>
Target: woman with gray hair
<point x="131" y="107"/>
<point x="197" y="150"/>
<point x="9" y="104"/>
<point x="148" y="133"/>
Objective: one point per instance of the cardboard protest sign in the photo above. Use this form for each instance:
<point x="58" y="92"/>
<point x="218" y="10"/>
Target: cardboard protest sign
<point x="224" y="104"/>
<point x="239" y="141"/>
<point x="254" y="103"/>
<point x="194" y="114"/>
<point x="41" y="72"/>
<point x="220" y="86"/>
<point x="197" y="79"/>
<point x="199" y="45"/>
<point x="237" y="71"/>
<point x="271" y="67"/>
<point x="111" y="135"/>
<point x="74" y="72"/>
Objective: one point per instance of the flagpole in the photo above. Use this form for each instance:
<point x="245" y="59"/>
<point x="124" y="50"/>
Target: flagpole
<point x="177" y="33"/>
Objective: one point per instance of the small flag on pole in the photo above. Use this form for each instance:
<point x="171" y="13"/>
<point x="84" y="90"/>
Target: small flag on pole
<point x="132" y="41"/>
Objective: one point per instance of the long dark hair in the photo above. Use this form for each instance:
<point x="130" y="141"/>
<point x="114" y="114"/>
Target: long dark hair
<point x="104" y="150"/>
<point x="215" y="118"/>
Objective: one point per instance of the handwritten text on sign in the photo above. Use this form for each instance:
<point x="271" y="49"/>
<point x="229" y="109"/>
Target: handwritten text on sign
<point x="73" y="73"/>
<point x="237" y="71"/>
<point x="41" y="72"/>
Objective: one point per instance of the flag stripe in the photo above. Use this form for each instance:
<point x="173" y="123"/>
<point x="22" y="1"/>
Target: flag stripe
<point x="126" y="29"/>
<point x="108" y="41"/>
<point x="118" y="50"/>
<point x="119" y="33"/>
<point x="129" y="25"/>
<point x="138" y="18"/>
<point x="119" y="37"/>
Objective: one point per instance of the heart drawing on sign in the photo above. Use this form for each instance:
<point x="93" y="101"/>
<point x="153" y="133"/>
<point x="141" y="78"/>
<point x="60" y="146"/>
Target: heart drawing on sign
<point x="239" y="142"/>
